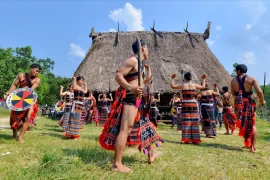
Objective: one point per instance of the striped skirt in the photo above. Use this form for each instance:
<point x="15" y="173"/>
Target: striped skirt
<point x="103" y="116"/>
<point x="229" y="117"/>
<point x="83" y="116"/>
<point x="207" y="118"/>
<point x="66" y="116"/>
<point x="153" y="113"/>
<point x="190" y="122"/>
<point x="95" y="115"/>
<point x="179" y="119"/>
<point x="74" y="123"/>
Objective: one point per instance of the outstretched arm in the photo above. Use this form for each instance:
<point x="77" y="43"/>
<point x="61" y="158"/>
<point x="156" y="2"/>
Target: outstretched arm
<point x="232" y="89"/>
<point x="259" y="91"/>
<point x="99" y="98"/>
<point x="217" y="91"/>
<point x="175" y="86"/>
<point x="111" y="99"/>
<point x="203" y="83"/>
<point x="13" y="86"/>
<point x="85" y="88"/>
<point x="61" y="92"/>
<point x="149" y="74"/>
<point x="158" y="100"/>
<point x="36" y="84"/>
<point x="74" y="84"/>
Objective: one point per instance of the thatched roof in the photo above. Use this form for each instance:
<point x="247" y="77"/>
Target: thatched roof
<point x="174" y="54"/>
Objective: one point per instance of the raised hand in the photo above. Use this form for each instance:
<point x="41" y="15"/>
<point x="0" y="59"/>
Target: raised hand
<point x="146" y="66"/>
<point x="203" y="76"/>
<point x="173" y="76"/>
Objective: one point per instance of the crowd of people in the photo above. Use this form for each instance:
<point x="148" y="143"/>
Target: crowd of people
<point x="132" y="118"/>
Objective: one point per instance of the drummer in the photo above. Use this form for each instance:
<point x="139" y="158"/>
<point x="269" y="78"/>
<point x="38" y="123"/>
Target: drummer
<point x="22" y="118"/>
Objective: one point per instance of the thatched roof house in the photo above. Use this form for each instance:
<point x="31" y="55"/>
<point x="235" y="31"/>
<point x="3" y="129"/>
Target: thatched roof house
<point x="174" y="54"/>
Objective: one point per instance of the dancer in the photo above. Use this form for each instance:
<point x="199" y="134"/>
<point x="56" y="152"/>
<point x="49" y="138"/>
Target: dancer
<point x="178" y="103"/>
<point x="18" y="118"/>
<point x="153" y="113"/>
<point x="190" y="115"/>
<point x="74" y="123"/>
<point x="207" y="111"/>
<point x="68" y="97"/>
<point x="173" y="110"/>
<point x="229" y="117"/>
<point x="241" y="88"/>
<point x="220" y="110"/>
<point x="125" y="112"/>
<point x="104" y="112"/>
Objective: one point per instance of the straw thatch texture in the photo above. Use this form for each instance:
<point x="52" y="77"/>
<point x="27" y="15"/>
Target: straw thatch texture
<point x="174" y="54"/>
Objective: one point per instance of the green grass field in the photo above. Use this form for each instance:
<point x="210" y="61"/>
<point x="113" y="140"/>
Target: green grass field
<point x="46" y="154"/>
<point x="4" y="112"/>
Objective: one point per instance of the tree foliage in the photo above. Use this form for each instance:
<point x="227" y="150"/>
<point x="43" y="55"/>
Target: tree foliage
<point x="12" y="62"/>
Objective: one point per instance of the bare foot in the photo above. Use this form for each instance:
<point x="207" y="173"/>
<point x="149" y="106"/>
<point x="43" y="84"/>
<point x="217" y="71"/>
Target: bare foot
<point x="20" y="140"/>
<point x="152" y="158"/>
<point x="253" y="149"/>
<point x="121" y="169"/>
<point x="227" y="133"/>
<point x="232" y="132"/>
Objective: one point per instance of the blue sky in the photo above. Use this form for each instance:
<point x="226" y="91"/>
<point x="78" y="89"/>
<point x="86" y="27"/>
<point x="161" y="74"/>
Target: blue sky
<point x="240" y="30"/>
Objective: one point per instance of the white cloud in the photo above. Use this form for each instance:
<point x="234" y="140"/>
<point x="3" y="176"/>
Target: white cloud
<point x="76" y="50"/>
<point x="255" y="10"/>
<point x="112" y="30"/>
<point x="128" y="15"/>
<point x="248" y="57"/>
<point x="248" y="26"/>
<point x="210" y="42"/>
<point x="218" y="28"/>
<point x="260" y="42"/>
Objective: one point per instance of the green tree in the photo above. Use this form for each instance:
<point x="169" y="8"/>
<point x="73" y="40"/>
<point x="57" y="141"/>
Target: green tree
<point x="12" y="62"/>
<point x="234" y="71"/>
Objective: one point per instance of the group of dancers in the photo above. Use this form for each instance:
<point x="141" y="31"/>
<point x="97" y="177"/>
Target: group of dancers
<point x="132" y="117"/>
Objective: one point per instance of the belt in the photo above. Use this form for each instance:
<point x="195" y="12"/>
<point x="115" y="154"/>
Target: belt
<point x="73" y="105"/>
<point x="207" y="104"/>
<point x="189" y="108"/>
<point x="189" y="100"/>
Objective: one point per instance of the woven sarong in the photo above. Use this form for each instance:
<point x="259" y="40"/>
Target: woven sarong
<point x="18" y="117"/>
<point x="190" y="122"/>
<point x="153" y="113"/>
<point x="103" y="115"/>
<point x="143" y="128"/>
<point x="95" y="115"/>
<point x="229" y="117"/>
<point x="207" y="118"/>
<point x="246" y="121"/>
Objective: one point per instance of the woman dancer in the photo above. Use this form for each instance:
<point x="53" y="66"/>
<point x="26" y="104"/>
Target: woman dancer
<point x="153" y="113"/>
<point x="190" y="115"/>
<point x="104" y="108"/>
<point x="74" y="123"/>
<point x="68" y="96"/>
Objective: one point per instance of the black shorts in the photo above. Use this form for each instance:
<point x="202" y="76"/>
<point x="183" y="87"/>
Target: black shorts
<point x="130" y="99"/>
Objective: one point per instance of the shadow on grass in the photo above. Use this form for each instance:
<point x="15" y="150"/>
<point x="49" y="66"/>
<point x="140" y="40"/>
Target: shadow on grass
<point x="61" y="136"/>
<point x="55" y="129"/>
<point x="220" y="146"/>
<point x="99" y="157"/>
<point x="6" y="137"/>
<point x="172" y="142"/>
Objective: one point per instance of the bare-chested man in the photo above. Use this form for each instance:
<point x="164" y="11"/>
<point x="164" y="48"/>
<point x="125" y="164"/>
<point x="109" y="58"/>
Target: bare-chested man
<point x="17" y="117"/>
<point x="241" y="88"/>
<point x="229" y="117"/>
<point x="127" y="78"/>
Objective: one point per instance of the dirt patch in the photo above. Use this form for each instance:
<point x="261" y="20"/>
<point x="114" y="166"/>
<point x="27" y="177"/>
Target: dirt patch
<point x="4" y="121"/>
